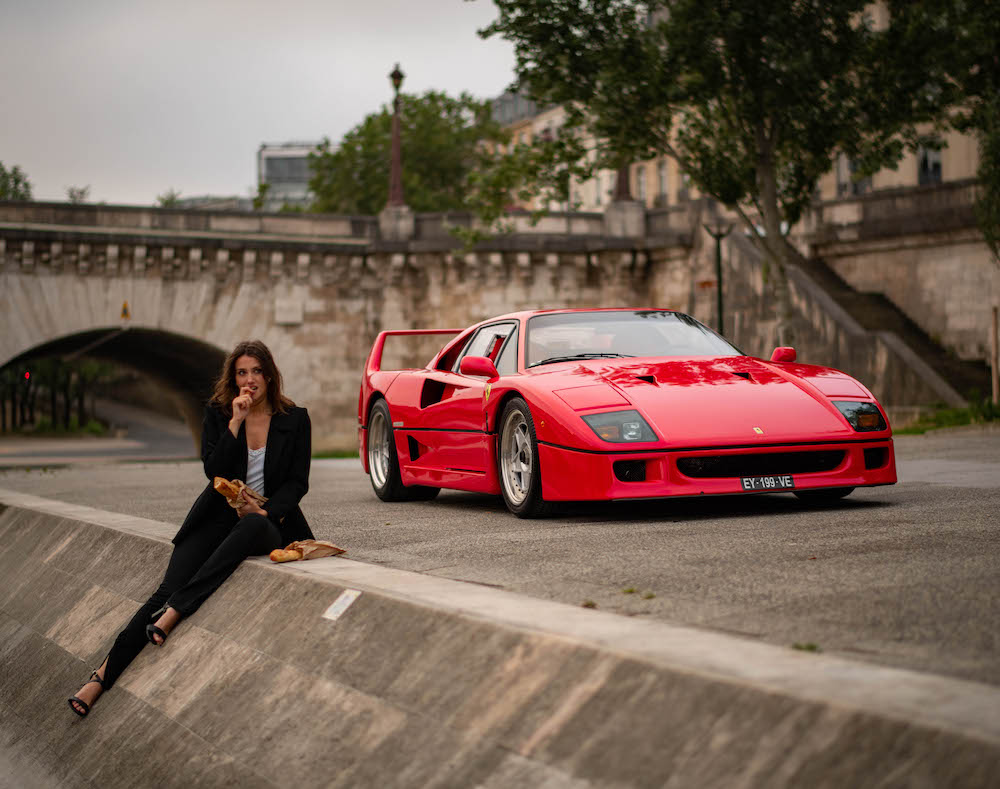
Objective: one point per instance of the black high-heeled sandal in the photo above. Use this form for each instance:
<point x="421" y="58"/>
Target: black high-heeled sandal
<point x="153" y="630"/>
<point x="94" y="677"/>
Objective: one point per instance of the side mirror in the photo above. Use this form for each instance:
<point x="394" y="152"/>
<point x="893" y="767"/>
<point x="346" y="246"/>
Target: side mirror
<point x="783" y="353"/>
<point x="478" y="365"/>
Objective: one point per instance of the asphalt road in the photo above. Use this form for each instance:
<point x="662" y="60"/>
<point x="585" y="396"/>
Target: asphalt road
<point x="904" y="575"/>
<point x="142" y="435"/>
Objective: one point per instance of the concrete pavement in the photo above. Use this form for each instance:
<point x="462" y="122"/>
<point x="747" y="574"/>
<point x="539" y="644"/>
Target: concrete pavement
<point x="903" y="576"/>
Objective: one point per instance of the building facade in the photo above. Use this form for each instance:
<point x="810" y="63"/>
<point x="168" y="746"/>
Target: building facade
<point x="284" y="169"/>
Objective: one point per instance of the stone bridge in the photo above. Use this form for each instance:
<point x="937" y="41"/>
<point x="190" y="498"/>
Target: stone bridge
<point x="168" y="292"/>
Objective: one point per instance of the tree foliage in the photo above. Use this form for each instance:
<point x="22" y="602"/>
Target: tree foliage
<point x="973" y="47"/>
<point x="752" y="99"/>
<point x="442" y="143"/>
<point x="78" y="194"/>
<point x="169" y="199"/>
<point x="14" y="184"/>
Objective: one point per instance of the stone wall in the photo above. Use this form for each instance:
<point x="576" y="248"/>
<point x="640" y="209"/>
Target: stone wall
<point x="317" y="289"/>
<point x="921" y="249"/>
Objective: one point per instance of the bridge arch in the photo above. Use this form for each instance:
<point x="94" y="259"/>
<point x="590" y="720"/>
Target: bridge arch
<point x="182" y="367"/>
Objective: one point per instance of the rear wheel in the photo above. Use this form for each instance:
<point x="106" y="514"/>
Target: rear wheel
<point x="383" y="461"/>
<point x="823" y="495"/>
<point x="517" y="462"/>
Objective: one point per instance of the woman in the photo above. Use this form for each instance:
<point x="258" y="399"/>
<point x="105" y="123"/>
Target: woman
<point x="251" y="432"/>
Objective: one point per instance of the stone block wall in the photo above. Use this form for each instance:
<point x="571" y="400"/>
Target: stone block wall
<point x="317" y="290"/>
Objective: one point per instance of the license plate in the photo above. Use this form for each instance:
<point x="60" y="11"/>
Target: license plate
<point x="783" y="482"/>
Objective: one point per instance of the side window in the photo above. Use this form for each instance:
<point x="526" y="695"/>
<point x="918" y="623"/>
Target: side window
<point x="507" y="364"/>
<point x="487" y="342"/>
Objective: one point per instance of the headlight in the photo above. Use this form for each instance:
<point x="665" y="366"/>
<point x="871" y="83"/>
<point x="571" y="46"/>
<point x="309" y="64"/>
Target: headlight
<point x="620" y="427"/>
<point x="863" y="417"/>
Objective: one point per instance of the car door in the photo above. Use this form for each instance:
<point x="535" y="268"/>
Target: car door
<point x="450" y="432"/>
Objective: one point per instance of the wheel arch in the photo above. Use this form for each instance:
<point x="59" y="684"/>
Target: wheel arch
<point x="373" y="398"/>
<point x="493" y="424"/>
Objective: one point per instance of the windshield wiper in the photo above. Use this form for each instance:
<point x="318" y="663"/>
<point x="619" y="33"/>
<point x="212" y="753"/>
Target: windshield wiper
<point x="576" y="356"/>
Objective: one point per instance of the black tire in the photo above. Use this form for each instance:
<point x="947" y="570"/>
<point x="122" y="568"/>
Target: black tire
<point x="517" y="461"/>
<point x="383" y="462"/>
<point x="823" y="495"/>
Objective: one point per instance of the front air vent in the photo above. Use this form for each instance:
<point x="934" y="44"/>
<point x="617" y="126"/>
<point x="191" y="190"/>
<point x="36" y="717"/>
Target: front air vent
<point x="630" y="470"/>
<point x="876" y="457"/>
<point x="744" y="376"/>
<point x="647" y="378"/>
<point x="414" y="447"/>
<point x="760" y="463"/>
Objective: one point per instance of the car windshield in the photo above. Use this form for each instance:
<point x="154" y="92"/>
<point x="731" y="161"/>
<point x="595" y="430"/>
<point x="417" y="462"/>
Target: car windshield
<point x="566" y="336"/>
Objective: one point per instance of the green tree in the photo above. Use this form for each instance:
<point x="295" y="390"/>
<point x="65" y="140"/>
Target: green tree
<point x="973" y="33"/>
<point x="169" y="199"/>
<point x="77" y="194"/>
<point x="14" y="184"/>
<point x="260" y="198"/>
<point x="442" y="144"/>
<point x="753" y="99"/>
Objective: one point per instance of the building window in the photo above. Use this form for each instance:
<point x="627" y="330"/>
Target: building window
<point x="848" y="182"/>
<point x="662" y="178"/>
<point x="928" y="166"/>
<point x="640" y="182"/>
<point x="597" y="189"/>
<point x="684" y="189"/>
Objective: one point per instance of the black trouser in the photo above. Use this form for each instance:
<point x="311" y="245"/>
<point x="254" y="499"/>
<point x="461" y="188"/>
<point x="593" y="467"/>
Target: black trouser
<point x="198" y="566"/>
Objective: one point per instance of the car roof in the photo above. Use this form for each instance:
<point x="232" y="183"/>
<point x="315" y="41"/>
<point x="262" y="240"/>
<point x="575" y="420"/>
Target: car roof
<point x="525" y="314"/>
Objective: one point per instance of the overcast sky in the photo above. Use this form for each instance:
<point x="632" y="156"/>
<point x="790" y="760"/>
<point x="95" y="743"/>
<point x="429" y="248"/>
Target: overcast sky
<point x="133" y="97"/>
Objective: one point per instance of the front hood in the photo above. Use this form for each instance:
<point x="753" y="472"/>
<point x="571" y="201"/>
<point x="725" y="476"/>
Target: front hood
<point x="715" y="401"/>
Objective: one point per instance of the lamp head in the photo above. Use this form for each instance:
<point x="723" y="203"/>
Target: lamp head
<point x="397" y="78"/>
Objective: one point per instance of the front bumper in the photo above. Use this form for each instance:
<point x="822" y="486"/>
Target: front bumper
<point x="574" y="475"/>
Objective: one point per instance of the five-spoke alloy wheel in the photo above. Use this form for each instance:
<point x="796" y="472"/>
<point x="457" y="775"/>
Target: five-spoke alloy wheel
<point x="517" y="461"/>
<point x="383" y="462"/>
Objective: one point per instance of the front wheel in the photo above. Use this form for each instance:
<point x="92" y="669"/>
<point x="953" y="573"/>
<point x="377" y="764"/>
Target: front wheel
<point x="383" y="461"/>
<point x="517" y="462"/>
<point x="823" y="495"/>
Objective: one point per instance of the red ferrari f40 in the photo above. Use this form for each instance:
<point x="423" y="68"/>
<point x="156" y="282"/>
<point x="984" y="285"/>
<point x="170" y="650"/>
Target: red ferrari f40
<point x="602" y="404"/>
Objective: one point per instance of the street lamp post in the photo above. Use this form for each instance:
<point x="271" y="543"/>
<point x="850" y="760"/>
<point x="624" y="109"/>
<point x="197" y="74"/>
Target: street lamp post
<point x="718" y="234"/>
<point x="396" y="160"/>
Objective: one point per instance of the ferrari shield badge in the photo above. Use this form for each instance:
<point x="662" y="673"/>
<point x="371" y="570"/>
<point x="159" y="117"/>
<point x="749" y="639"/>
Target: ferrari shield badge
<point x="758" y="431"/>
<point x="489" y="388"/>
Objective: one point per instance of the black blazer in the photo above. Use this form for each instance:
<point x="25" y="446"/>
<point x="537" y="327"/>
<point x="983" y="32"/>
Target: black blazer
<point x="286" y="472"/>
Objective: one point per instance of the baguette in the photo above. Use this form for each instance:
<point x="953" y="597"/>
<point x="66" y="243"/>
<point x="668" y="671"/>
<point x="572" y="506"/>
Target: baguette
<point x="279" y="555"/>
<point x="305" y="549"/>
<point x="237" y="492"/>
<point x="228" y="489"/>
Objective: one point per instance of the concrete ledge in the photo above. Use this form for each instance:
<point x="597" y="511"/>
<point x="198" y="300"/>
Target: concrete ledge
<point x="424" y="682"/>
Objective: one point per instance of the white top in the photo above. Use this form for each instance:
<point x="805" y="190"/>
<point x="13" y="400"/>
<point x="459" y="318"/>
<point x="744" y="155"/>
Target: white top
<point x="255" y="469"/>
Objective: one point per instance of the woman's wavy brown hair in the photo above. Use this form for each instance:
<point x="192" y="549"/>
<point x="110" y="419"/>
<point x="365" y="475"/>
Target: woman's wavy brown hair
<point x="225" y="389"/>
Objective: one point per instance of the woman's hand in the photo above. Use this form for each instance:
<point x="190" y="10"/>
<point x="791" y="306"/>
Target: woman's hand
<point x="249" y="508"/>
<point x="241" y="407"/>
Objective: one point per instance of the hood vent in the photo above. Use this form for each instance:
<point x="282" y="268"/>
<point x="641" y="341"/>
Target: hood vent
<point x="744" y="376"/>
<point x="647" y="378"/>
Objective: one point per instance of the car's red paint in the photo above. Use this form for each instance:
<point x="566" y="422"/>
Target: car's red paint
<point x="445" y="422"/>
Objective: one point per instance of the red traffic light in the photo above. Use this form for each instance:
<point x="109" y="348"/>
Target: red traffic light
<point x="27" y="375"/>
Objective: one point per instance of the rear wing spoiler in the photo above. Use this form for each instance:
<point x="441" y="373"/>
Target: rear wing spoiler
<point x="374" y="363"/>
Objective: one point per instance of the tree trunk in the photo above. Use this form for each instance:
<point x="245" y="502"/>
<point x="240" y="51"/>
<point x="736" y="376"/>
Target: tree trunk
<point x="775" y="244"/>
<point x="81" y="415"/>
<point x="67" y="399"/>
